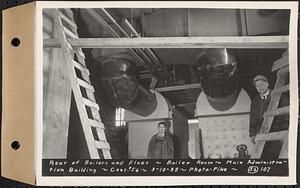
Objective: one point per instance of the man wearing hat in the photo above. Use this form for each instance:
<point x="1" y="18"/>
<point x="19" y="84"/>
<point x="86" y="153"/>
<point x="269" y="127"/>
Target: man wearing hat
<point x="259" y="105"/>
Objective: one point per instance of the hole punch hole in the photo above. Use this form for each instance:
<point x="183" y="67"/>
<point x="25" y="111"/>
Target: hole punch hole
<point x="15" y="145"/>
<point x="15" y="42"/>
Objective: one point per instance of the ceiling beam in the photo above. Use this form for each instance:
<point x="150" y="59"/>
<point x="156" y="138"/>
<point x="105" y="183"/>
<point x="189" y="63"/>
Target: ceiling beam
<point x="178" y="42"/>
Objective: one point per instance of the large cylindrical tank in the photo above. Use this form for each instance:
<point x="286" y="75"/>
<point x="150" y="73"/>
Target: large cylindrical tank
<point x="217" y="71"/>
<point x="121" y="87"/>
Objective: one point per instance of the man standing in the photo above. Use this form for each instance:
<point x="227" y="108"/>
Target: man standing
<point x="259" y="105"/>
<point x="161" y="144"/>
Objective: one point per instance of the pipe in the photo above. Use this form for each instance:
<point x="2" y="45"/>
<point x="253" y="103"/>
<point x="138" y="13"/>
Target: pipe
<point x="217" y="71"/>
<point x="100" y="20"/>
<point x="154" y="59"/>
<point x="115" y="22"/>
<point x="124" y="33"/>
<point x="149" y="51"/>
<point x="121" y="87"/>
<point x="126" y="22"/>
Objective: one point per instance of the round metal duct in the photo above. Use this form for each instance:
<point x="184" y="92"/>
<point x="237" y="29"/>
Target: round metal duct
<point x="217" y="71"/>
<point x="121" y="87"/>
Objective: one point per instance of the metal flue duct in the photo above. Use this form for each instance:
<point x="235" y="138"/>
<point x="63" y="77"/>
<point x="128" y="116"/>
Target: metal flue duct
<point x="121" y="87"/>
<point x="217" y="71"/>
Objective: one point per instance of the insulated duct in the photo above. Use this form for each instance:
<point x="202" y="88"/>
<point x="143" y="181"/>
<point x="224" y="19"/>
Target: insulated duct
<point x="121" y="87"/>
<point x="217" y="71"/>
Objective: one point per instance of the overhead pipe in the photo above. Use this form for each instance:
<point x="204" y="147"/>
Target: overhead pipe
<point x="156" y="60"/>
<point x="124" y="32"/>
<point x="131" y="28"/>
<point x="114" y="22"/>
<point x="153" y="56"/>
<point x="217" y="71"/>
<point x="126" y="22"/>
<point x="149" y="51"/>
<point x="100" y="20"/>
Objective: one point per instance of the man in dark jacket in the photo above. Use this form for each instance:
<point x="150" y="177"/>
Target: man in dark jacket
<point x="259" y="105"/>
<point x="161" y="144"/>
